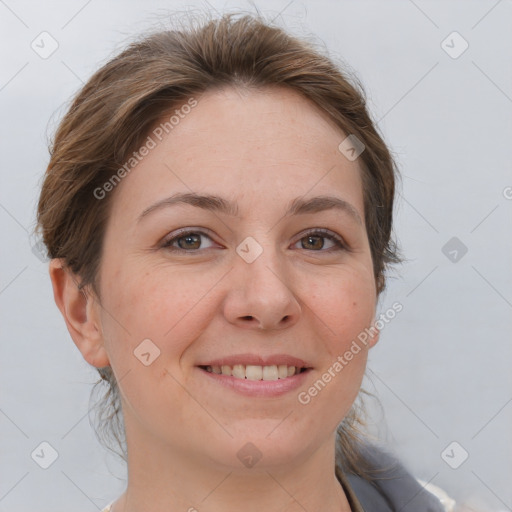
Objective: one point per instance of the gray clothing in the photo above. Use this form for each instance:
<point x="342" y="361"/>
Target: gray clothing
<point x="392" y="489"/>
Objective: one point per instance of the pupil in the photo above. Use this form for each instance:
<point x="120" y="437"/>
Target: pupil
<point x="319" y="242"/>
<point x="189" y="239"/>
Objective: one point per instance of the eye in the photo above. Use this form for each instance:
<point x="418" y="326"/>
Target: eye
<point x="314" y="240"/>
<point x="186" y="241"/>
<point x="190" y="240"/>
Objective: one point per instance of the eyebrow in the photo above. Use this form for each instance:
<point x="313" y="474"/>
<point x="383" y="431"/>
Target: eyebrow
<point x="298" y="206"/>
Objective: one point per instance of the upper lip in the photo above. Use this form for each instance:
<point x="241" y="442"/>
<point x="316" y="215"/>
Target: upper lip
<point x="257" y="360"/>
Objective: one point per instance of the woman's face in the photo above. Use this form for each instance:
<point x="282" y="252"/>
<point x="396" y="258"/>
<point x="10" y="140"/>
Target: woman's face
<point x="244" y="278"/>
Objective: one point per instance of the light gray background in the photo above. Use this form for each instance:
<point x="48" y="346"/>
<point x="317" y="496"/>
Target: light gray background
<point x="441" y="369"/>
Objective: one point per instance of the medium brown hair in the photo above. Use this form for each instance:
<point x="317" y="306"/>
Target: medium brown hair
<point x="113" y="113"/>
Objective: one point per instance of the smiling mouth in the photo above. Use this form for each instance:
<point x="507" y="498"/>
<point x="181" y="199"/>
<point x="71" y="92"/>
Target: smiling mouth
<point x="254" y="372"/>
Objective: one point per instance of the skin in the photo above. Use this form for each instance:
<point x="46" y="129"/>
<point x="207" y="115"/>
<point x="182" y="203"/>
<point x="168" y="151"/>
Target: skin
<point x="262" y="149"/>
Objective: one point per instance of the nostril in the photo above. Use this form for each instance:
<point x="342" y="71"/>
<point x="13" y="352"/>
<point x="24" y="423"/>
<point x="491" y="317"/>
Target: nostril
<point x="247" y="317"/>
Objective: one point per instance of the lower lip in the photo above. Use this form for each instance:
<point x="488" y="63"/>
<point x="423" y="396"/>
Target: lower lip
<point x="261" y="388"/>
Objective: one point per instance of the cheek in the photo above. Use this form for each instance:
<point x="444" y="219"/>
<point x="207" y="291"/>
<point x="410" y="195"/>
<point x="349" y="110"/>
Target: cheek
<point x="169" y="308"/>
<point x="342" y="311"/>
<point x="171" y="311"/>
<point x="344" y="306"/>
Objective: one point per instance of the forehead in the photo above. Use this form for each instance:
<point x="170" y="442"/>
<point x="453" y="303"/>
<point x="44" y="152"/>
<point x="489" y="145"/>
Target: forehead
<point x="270" y="143"/>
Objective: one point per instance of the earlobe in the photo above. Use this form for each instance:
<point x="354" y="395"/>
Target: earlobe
<point x="375" y="338"/>
<point x="80" y="313"/>
<point x="374" y="334"/>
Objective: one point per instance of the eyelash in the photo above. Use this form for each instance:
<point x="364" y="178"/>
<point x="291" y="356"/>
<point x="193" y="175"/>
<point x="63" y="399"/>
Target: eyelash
<point x="324" y="233"/>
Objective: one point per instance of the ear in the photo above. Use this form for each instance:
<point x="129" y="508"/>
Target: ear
<point x="375" y="338"/>
<point x="80" y="312"/>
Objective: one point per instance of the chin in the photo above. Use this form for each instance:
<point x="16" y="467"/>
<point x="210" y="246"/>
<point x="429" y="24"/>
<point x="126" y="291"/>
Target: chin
<point x="263" y="449"/>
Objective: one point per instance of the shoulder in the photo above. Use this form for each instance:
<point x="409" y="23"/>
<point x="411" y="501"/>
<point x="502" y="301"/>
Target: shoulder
<point x="391" y="487"/>
<point x="447" y="502"/>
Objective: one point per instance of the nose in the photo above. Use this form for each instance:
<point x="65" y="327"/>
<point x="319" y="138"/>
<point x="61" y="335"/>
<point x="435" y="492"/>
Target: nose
<point x="261" y="295"/>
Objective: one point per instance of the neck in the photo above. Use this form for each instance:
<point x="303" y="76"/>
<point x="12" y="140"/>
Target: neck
<point x="171" y="480"/>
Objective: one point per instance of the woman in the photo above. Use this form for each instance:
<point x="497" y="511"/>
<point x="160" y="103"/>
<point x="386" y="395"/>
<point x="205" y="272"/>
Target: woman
<point x="218" y="213"/>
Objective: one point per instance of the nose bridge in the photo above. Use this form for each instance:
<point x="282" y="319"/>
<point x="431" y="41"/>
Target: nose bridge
<point x="261" y="294"/>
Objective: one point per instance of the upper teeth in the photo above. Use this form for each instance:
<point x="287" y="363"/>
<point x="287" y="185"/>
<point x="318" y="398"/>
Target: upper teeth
<point x="253" y="372"/>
